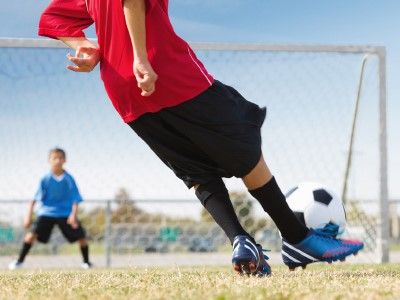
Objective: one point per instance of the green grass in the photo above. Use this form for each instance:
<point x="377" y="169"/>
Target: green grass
<point x="317" y="282"/>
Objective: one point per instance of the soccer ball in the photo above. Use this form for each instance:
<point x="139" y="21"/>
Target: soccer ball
<point x="316" y="206"/>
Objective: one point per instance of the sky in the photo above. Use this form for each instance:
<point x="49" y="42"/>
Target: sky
<point x="245" y="21"/>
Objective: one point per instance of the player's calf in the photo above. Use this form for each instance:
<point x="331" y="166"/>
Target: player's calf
<point x="83" y="245"/>
<point x="26" y="246"/>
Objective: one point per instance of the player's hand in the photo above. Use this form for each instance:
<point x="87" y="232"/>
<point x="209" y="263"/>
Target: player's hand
<point x="85" y="59"/>
<point x="145" y="76"/>
<point x="27" y="222"/>
<point x="72" y="221"/>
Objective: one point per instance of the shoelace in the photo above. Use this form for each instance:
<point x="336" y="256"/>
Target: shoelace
<point x="328" y="233"/>
<point x="265" y="250"/>
<point x="330" y="230"/>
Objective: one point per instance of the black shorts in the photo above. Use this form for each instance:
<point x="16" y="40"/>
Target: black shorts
<point x="44" y="225"/>
<point x="214" y="135"/>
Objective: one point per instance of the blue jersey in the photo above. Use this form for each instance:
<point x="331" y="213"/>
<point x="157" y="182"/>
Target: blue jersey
<point x="56" y="195"/>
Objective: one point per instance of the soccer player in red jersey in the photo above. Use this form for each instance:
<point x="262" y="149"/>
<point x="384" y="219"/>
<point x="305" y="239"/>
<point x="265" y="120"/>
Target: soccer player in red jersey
<point x="200" y="128"/>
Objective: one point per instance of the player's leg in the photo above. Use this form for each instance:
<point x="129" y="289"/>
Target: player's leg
<point x="41" y="231"/>
<point x="231" y="136"/>
<point x="26" y="246"/>
<point x="76" y="235"/>
<point x="84" y="247"/>
<point x="247" y="256"/>
<point x="214" y="196"/>
<point x="164" y="133"/>
<point x="263" y="186"/>
<point x="29" y="239"/>
<point x="300" y="245"/>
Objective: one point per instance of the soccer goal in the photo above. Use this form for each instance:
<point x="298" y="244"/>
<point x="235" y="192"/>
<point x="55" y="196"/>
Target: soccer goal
<point x="326" y="123"/>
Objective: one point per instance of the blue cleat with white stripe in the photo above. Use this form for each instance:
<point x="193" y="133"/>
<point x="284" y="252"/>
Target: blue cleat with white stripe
<point x="245" y="255"/>
<point x="318" y="246"/>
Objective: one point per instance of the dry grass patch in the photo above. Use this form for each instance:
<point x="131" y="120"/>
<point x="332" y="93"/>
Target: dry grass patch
<point x="317" y="282"/>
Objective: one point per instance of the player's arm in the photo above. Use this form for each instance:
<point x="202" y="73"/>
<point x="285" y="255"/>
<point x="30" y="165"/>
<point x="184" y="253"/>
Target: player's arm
<point x="66" y="20"/>
<point x="77" y="42"/>
<point x="76" y="195"/>
<point x="135" y="15"/>
<point x="87" y="54"/>
<point x="72" y="219"/>
<point x="40" y="192"/>
<point x="28" y="217"/>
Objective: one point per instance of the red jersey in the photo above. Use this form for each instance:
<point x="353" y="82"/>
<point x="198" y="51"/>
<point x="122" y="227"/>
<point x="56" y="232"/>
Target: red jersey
<point x="181" y="76"/>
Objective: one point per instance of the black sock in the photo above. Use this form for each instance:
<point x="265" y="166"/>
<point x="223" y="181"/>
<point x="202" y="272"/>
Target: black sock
<point x="274" y="203"/>
<point x="85" y="253"/>
<point x="24" y="251"/>
<point x="215" y="198"/>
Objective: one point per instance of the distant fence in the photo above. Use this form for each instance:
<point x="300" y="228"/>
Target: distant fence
<point x="133" y="227"/>
<point x="123" y="227"/>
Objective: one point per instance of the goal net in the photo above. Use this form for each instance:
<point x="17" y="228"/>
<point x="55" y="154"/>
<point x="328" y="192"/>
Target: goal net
<point x="135" y="204"/>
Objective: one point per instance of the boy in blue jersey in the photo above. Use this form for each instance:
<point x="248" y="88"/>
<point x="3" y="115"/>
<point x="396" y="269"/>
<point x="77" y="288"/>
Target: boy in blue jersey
<point x="58" y="198"/>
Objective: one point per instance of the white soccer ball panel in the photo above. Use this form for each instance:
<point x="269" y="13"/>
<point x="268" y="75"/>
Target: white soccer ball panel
<point x="300" y="199"/>
<point x="317" y="215"/>
<point x="338" y="215"/>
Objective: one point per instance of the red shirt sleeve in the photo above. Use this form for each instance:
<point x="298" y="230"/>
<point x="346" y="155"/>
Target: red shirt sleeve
<point x="65" y="18"/>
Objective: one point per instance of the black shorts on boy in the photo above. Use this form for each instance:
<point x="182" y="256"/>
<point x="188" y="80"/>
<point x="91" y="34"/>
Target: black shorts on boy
<point x="216" y="134"/>
<point x="43" y="228"/>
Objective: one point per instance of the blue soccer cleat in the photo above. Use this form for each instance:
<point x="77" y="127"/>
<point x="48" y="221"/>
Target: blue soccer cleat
<point x="264" y="268"/>
<point x="245" y="255"/>
<point x="318" y="246"/>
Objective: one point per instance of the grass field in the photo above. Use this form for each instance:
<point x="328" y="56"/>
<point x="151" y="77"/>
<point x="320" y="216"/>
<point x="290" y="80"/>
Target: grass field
<point x="317" y="282"/>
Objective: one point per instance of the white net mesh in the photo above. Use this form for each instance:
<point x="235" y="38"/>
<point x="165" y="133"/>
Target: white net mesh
<point x="310" y="100"/>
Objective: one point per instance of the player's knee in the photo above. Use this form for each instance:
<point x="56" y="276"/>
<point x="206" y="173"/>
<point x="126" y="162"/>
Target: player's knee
<point x="258" y="176"/>
<point x="205" y="190"/>
<point x="82" y="242"/>
<point x="30" y="238"/>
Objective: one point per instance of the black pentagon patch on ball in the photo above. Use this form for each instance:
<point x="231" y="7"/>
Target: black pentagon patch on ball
<point x="300" y="216"/>
<point x="322" y="196"/>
